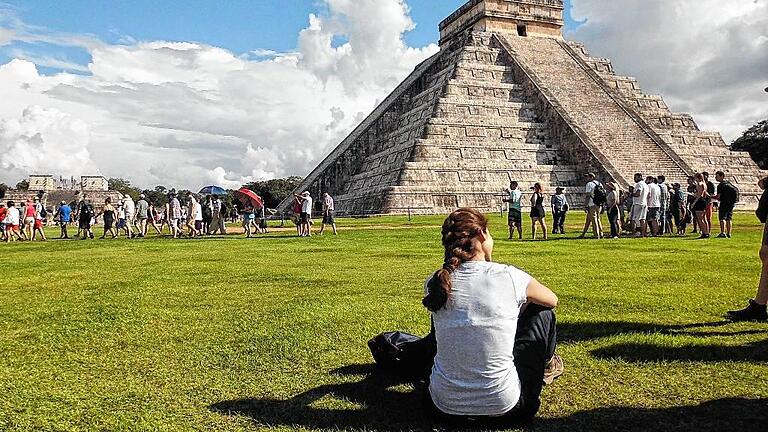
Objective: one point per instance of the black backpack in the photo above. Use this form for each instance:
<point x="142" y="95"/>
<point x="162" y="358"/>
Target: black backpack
<point x="43" y="212"/>
<point x="599" y="197"/>
<point x="87" y="211"/>
<point x="406" y="355"/>
<point x="729" y="193"/>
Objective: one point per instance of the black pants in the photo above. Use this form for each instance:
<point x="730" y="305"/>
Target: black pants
<point x="559" y="221"/>
<point x="613" y="218"/>
<point x="535" y="344"/>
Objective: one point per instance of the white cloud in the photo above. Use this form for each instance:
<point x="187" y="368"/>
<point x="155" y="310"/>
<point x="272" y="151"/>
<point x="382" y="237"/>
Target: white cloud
<point x="44" y="140"/>
<point x="184" y="114"/>
<point x="706" y="57"/>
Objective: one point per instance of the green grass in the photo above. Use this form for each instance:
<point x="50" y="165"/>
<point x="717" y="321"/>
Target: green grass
<point x="235" y="334"/>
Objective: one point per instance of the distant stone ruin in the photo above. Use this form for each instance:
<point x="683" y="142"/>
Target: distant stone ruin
<point x="53" y="191"/>
<point x="507" y="98"/>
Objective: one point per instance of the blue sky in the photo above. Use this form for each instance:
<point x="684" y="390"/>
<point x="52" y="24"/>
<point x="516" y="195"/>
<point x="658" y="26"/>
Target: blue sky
<point x="240" y="26"/>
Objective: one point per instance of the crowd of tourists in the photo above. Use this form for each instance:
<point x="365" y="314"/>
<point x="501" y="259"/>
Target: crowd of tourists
<point x="650" y="207"/>
<point x="183" y="216"/>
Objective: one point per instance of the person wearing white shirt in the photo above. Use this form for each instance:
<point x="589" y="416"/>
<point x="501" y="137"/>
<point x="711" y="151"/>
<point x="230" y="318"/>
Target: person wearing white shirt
<point x="305" y="221"/>
<point x="639" y="205"/>
<point x="329" y="218"/>
<point x="12" y="221"/>
<point x="654" y="205"/>
<point x="494" y="331"/>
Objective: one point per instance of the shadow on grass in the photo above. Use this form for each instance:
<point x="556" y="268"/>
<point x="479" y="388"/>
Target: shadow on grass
<point x="382" y="407"/>
<point x="571" y="332"/>
<point x="645" y="352"/>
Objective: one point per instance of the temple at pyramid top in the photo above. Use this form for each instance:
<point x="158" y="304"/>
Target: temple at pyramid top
<point x="543" y="18"/>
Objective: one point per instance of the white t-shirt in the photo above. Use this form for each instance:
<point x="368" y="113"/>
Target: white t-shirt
<point x="641" y="200"/>
<point x="474" y="371"/>
<point x="590" y="189"/>
<point x="306" y="205"/>
<point x="13" y="216"/>
<point x="129" y="207"/>
<point x="654" y="195"/>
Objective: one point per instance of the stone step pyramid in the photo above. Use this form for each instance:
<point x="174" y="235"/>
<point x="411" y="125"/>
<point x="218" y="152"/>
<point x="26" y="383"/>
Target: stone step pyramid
<point x="507" y="98"/>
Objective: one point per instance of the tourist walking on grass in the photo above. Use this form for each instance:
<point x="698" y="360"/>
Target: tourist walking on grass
<point x="248" y="217"/>
<point x="640" y="206"/>
<point x="40" y="214"/>
<point x="727" y="196"/>
<point x="155" y="218"/>
<point x="595" y="199"/>
<point x="559" y="204"/>
<point x="175" y="215"/>
<point x="756" y="309"/>
<point x="515" y="217"/>
<point x="108" y="214"/>
<point x="612" y="202"/>
<point x="538" y="215"/>
<point x="328" y="213"/>
<point x="29" y="218"/>
<point x="63" y="216"/>
<point x="12" y="221"/>
<point x="218" y="217"/>
<point x="700" y="205"/>
<point x="193" y="212"/>
<point x="3" y="215"/>
<point x="85" y="215"/>
<point x="129" y="207"/>
<point x="142" y="214"/>
<point x="654" y="205"/>
<point x="207" y="209"/>
<point x="487" y="373"/>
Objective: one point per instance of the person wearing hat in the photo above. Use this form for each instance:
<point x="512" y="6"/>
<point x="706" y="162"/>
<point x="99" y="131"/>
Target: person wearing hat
<point x="592" y="205"/>
<point x="559" y="210"/>
<point x="142" y="213"/>
<point x="63" y="216"/>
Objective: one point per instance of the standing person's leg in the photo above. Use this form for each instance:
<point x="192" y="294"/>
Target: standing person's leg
<point x="708" y="214"/>
<point x="533" y="228"/>
<point x="587" y="223"/>
<point x="756" y="309"/>
<point x="543" y="223"/>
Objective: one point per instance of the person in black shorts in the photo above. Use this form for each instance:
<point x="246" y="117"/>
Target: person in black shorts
<point x="727" y="195"/>
<point x="108" y="213"/>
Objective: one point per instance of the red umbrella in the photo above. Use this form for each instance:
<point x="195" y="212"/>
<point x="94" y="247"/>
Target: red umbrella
<point x="249" y="197"/>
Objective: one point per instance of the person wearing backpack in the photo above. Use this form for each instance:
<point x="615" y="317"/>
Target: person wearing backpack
<point x="596" y="198"/>
<point x="85" y="214"/>
<point x="756" y="309"/>
<point x="728" y="196"/>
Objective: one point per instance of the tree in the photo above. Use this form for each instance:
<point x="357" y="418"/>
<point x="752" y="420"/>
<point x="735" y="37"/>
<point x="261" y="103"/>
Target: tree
<point x="124" y="187"/>
<point x="276" y="190"/>
<point x="22" y="185"/>
<point x="755" y="141"/>
<point x="3" y="187"/>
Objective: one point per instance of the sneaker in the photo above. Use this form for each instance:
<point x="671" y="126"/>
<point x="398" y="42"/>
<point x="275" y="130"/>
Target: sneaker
<point x="553" y="369"/>
<point x="722" y="235"/>
<point x="753" y="312"/>
<point x="728" y="235"/>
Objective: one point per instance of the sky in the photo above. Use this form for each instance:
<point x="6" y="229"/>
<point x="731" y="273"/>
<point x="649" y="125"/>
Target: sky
<point x="188" y="93"/>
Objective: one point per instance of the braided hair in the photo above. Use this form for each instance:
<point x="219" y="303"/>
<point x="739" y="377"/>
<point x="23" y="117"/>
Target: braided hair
<point x="458" y="231"/>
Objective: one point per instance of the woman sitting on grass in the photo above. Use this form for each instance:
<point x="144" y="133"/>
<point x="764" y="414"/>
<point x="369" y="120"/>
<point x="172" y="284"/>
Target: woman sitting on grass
<point x="495" y="330"/>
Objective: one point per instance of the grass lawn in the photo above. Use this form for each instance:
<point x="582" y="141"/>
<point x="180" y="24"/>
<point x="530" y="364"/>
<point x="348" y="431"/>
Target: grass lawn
<point x="235" y="334"/>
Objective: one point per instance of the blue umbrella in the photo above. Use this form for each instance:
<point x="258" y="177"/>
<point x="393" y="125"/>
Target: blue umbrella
<point x="213" y="190"/>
